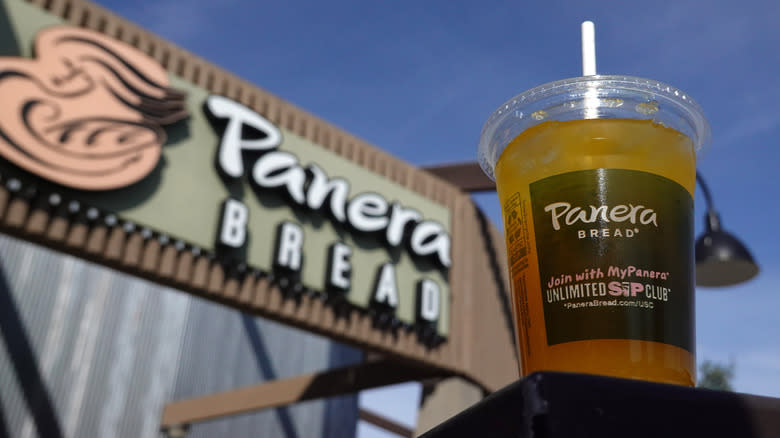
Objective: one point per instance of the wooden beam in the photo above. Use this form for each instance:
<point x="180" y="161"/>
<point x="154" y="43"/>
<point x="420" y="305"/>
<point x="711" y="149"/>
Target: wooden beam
<point x="468" y="177"/>
<point x="386" y="423"/>
<point x="329" y="383"/>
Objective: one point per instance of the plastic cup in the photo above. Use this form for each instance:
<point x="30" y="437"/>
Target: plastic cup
<point x="596" y="178"/>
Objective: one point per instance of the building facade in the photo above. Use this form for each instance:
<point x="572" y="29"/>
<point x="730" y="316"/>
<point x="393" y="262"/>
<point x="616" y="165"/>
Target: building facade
<point x="181" y="248"/>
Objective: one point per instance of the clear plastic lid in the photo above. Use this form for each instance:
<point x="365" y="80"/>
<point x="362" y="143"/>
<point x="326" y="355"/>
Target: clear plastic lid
<point x="592" y="97"/>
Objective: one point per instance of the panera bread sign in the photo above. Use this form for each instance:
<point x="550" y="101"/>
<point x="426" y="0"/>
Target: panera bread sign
<point x="90" y="113"/>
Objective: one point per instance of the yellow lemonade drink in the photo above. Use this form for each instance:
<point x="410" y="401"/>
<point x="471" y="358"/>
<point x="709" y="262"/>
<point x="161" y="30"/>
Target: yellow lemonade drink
<point x="596" y="178"/>
<point x="553" y="148"/>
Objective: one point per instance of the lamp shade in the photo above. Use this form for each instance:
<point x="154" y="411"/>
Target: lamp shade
<point x="722" y="260"/>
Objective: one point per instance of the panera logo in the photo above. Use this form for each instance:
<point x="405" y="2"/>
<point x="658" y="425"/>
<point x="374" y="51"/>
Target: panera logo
<point x="564" y="212"/>
<point x="87" y="112"/>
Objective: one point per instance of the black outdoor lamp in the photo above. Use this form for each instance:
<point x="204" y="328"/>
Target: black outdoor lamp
<point x="721" y="259"/>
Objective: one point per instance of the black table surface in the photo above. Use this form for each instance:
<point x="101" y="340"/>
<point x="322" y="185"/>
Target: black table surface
<point x="556" y="405"/>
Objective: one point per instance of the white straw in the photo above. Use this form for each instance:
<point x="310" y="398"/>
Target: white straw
<point x="588" y="49"/>
<point x="591" y="101"/>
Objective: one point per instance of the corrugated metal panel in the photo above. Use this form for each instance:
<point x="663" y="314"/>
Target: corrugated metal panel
<point x="89" y="352"/>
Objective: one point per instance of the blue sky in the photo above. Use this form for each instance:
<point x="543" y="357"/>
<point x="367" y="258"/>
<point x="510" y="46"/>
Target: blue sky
<point x="418" y="79"/>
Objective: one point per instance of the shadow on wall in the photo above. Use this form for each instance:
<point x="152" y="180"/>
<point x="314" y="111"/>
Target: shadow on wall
<point x="335" y="407"/>
<point x="267" y="370"/>
<point x="3" y="427"/>
<point x="498" y="278"/>
<point x="25" y="365"/>
<point x="341" y="356"/>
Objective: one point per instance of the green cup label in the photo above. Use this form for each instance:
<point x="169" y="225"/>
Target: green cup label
<point x="615" y="256"/>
